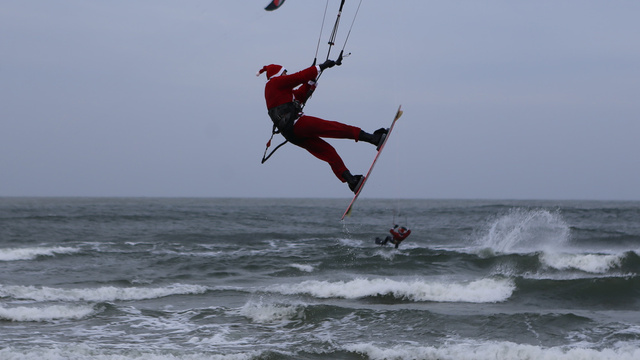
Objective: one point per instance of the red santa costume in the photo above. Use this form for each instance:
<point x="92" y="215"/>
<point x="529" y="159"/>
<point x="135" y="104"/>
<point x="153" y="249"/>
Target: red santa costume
<point x="399" y="233"/>
<point x="284" y="95"/>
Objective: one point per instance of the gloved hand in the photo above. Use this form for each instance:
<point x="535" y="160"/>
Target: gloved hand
<point x="327" y="64"/>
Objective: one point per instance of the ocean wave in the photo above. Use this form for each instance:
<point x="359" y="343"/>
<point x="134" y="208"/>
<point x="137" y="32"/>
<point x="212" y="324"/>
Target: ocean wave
<point x="479" y="291"/>
<point x="605" y="292"/>
<point x="493" y="351"/>
<point x="101" y="294"/>
<point x="14" y="254"/>
<point x="46" y="313"/>
<point x="591" y="263"/>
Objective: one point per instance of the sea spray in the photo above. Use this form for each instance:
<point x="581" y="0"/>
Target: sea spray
<point x="523" y="230"/>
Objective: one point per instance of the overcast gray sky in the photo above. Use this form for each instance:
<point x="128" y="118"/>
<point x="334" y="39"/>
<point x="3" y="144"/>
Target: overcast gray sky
<point x="503" y="99"/>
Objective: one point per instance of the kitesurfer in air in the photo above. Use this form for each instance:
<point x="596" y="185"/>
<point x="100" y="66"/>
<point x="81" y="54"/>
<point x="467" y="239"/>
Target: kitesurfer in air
<point x="398" y="234"/>
<point x="285" y="95"/>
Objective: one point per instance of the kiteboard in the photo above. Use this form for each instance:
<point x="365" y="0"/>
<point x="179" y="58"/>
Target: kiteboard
<point x="393" y="123"/>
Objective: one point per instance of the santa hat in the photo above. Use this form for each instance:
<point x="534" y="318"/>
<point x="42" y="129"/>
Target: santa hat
<point x="272" y="70"/>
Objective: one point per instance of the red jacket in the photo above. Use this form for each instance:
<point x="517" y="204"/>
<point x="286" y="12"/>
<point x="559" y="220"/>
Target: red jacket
<point x="399" y="235"/>
<point x="286" y="88"/>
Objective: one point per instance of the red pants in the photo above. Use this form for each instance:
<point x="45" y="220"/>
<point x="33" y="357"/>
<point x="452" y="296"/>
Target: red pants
<point x="309" y="130"/>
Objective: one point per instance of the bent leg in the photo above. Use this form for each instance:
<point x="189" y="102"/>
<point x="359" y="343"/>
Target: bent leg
<point x="325" y="152"/>
<point x="310" y="127"/>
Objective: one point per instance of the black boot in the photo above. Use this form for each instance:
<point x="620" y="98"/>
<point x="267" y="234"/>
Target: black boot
<point x="377" y="138"/>
<point x="354" y="181"/>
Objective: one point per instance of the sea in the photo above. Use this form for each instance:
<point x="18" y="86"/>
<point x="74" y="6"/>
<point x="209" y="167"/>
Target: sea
<point x="245" y="279"/>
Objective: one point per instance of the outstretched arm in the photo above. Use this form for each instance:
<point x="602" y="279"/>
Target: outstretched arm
<point x="298" y="78"/>
<point x="303" y="93"/>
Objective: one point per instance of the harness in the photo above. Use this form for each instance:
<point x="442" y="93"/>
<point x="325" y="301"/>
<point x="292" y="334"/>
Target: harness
<point x="284" y="117"/>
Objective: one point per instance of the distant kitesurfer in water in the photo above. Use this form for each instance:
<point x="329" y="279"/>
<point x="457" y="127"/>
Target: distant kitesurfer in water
<point x="398" y="234"/>
<point x="285" y="95"/>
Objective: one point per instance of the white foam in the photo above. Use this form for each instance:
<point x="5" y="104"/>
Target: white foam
<point x="303" y="267"/>
<point x="14" y="254"/>
<point x="220" y="338"/>
<point x="591" y="263"/>
<point x="107" y="293"/>
<point x="82" y="352"/>
<point x="260" y="312"/>
<point x="492" y="351"/>
<point x="47" y="313"/>
<point x="479" y="291"/>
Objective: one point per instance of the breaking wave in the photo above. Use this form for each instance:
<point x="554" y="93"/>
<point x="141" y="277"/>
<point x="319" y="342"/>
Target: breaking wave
<point x="261" y="312"/>
<point x="14" y="254"/>
<point x="492" y="351"/>
<point x="101" y="294"/>
<point x="479" y="291"/>
<point x="590" y="263"/>
<point x="46" y="313"/>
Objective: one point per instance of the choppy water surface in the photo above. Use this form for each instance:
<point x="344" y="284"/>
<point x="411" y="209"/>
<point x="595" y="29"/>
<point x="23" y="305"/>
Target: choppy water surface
<point x="285" y="279"/>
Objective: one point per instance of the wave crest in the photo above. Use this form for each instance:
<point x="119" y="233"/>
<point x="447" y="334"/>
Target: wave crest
<point x="15" y="254"/>
<point x="479" y="291"/>
<point x="591" y="263"/>
<point x="101" y="294"/>
<point x="47" y="313"/>
<point x="260" y="312"/>
<point x="491" y="350"/>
